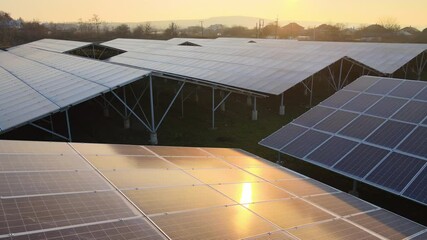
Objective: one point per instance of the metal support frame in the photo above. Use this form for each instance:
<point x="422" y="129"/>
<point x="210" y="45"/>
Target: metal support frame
<point x="309" y="86"/>
<point x="354" y="191"/>
<point x="51" y="131"/>
<point x="151" y="124"/>
<point x="184" y="98"/>
<point x="254" y="111"/>
<point x="282" y="105"/>
<point x="339" y="82"/>
<point x="420" y="65"/>
<point x="215" y="107"/>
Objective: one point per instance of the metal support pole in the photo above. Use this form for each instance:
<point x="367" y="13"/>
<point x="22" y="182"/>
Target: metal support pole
<point x="279" y="160"/>
<point x="106" y="110"/>
<point x="282" y="105"/>
<point x="153" y="134"/>
<point x="126" y="120"/>
<point x="196" y="96"/>
<point x="421" y="67"/>
<point x="249" y="101"/>
<point x="68" y="126"/>
<point x="311" y="91"/>
<point x="182" y="103"/>
<point x="254" y="111"/>
<point x="51" y="124"/>
<point x="354" y="191"/>
<point x="213" y="108"/>
<point x="340" y="76"/>
<point x="221" y="93"/>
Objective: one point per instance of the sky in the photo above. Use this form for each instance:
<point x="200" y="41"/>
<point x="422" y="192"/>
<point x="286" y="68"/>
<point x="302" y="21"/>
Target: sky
<point x="406" y="12"/>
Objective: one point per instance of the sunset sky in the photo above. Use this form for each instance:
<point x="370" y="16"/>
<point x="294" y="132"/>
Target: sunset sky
<point x="406" y="12"/>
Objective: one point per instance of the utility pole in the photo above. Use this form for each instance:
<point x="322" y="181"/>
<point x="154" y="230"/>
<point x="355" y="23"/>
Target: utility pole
<point x="201" y="25"/>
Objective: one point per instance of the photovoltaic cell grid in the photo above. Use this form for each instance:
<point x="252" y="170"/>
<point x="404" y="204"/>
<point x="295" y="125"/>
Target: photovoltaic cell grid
<point x="374" y="130"/>
<point x="226" y="194"/>
<point x="48" y="191"/>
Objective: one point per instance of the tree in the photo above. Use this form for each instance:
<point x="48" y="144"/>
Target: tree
<point x="122" y="30"/>
<point x="389" y="23"/>
<point x="96" y="22"/>
<point x="172" y="30"/>
<point x="138" y="32"/>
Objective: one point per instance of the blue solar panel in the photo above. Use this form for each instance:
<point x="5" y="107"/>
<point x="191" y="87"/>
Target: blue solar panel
<point x="384" y="86"/>
<point x="338" y="99"/>
<point x="332" y="151"/>
<point x="418" y="188"/>
<point x="361" y="84"/>
<point x="362" y="127"/>
<point x="361" y="160"/>
<point x="386" y="107"/>
<point x="408" y="89"/>
<point x="313" y="116"/>
<point x="413" y="112"/>
<point x="336" y="121"/>
<point x="361" y="102"/>
<point x="305" y="143"/>
<point x="422" y="95"/>
<point x="390" y="134"/>
<point x="285" y="134"/>
<point x="396" y="171"/>
<point x="416" y="143"/>
<point x="377" y="132"/>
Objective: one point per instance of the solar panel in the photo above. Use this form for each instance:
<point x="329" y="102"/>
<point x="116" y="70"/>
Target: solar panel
<point x="44" y="212"/>
<point x="338" y="229"/>
<point x="54" y="45"/>
<point x="341" y="204"/>
<point x="373" y="131"/>
<point x="386" y="224"/>
<point x="303" y="187"/>
<point x="224" y="194"/>
<point x="167" y="200"/>
<point x="128" y="229"/>
<point x="298" y="212"/>
<point x="239" y="67"/>
<point x="33" y="183"/>
<point x="38" y="83"/>
<point x="48" y="191"/>
<point x="396" y="171"/>
<point x="233" y="222"/>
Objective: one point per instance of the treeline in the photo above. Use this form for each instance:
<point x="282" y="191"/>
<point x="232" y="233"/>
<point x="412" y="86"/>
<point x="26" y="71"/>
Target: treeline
<point x="17" y="31"/>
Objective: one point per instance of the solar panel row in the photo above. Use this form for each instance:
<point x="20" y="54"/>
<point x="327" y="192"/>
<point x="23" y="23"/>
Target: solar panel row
<point x="190" y="193"/>
<point x="36" y="83"/>
<point x="374" y="130"/>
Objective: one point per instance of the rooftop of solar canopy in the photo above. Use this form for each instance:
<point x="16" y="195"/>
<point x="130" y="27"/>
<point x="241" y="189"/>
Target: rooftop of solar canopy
<point x="150" y="192"/>
<point x="374" y="131"/>
<point x="247" y="68"/>
<point x="54" y="45"/>
<point x="50" y="82"/>
<point x="383" y="57"/>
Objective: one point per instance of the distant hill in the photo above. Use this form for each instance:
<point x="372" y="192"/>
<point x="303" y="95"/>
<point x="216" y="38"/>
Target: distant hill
<point x="249" y="22"/>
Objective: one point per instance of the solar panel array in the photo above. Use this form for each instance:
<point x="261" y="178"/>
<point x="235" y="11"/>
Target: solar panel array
<point x="48" y="191"/>
<point x="383" y="57"/>
<point x="374" y="130"/>
<point x="189" y="193"/>
<point x="271" y="71"/>
<point x="54" y="45"/>
<point x="36" y="83"/>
